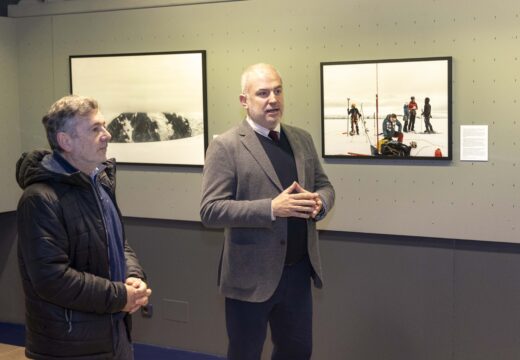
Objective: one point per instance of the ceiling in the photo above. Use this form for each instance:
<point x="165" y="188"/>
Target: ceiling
<point x="24" y="8"/>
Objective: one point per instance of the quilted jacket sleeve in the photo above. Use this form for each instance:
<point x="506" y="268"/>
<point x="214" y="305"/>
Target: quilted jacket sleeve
<point x="43" y="251"/>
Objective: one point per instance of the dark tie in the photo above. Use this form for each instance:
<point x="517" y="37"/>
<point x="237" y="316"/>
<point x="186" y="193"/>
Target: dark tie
<point x="274" y="136"/>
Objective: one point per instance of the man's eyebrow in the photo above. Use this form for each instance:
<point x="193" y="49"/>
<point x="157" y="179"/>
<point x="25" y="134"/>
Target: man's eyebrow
<point x="268" y="89"/>
<point x="97" y="123"/>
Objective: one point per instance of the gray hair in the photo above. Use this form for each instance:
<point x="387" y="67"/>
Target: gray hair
<point x="256" y="68"/>
<point x="63" y="115"/>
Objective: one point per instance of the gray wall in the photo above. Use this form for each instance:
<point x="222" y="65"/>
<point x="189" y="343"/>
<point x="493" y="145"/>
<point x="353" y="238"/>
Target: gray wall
<point x="4" y="4"/>
<point x="412" y="296"/>
<point x="464" y="200"/>
<point x="385" y="297"/>
<point x="11" y="300"/>
<point x="9" y="115"/>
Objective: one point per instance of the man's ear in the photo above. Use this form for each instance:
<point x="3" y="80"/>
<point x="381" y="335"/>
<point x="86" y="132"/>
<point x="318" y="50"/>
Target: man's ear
<point x="64" y="140"/>
<point x="243" y="101"/>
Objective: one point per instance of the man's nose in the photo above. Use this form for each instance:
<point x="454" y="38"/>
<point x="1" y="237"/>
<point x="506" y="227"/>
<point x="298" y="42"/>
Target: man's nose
<point x="106" y="136"/>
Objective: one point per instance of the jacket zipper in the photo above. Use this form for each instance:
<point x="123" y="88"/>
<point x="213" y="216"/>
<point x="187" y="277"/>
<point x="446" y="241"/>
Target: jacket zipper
<point x="94" y="185"/>
<point x="68" y="318"/>
<point x="100" y="208"/>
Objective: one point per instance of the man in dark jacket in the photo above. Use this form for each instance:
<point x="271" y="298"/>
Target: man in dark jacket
<point x="80" y="277"/>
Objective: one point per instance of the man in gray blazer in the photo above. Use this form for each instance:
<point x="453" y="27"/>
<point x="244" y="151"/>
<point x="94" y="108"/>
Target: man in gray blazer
<point x="264" y="184"/>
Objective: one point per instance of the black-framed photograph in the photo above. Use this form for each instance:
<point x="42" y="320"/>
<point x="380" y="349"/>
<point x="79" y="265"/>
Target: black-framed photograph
<point x="387" y="109"/>
<point x="154" y="104"/>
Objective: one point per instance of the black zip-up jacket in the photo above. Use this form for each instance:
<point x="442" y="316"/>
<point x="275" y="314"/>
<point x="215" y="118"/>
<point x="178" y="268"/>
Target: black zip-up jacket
<point x="63" y="260"/>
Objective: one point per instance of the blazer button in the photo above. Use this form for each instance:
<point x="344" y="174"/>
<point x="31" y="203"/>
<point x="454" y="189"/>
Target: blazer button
<point x="282" y="242"/>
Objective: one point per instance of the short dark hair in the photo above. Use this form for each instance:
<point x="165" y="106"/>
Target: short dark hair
<point x="64" y="113"/>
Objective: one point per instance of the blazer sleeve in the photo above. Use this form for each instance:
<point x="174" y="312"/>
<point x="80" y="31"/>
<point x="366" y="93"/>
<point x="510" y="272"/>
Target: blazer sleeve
<point x="219" y="205"/>
<point x="322" y="185"/>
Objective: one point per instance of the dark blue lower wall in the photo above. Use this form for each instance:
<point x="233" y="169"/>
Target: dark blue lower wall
<point x="14" y="334"/>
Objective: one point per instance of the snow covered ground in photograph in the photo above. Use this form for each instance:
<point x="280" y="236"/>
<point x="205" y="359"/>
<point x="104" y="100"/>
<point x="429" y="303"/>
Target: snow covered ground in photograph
<point x="187" y="151"/>
<point x="338" y="140"/>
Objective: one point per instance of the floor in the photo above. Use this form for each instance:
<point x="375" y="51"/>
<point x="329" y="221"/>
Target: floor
<point x="11" y="352"/>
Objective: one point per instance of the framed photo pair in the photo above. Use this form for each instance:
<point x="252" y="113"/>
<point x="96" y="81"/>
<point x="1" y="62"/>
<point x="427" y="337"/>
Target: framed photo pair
<point x="387" y="109"/>
<point x="154" y="104"/>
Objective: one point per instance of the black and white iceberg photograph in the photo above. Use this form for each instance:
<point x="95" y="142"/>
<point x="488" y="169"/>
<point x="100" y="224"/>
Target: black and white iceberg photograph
<point x="387" y="109"/>
<point x="154" y="104"/>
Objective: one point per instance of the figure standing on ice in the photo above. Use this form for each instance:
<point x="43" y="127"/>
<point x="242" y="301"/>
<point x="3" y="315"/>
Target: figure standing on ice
<point x="406" y="116"/>
<point x="355" y="115"/>
<point x="427" y="113"/>
<point x="412" y="107"/>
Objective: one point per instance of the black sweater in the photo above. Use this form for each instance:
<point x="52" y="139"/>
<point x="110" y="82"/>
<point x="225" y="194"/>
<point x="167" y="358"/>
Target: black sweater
<point x="282" y="158"/>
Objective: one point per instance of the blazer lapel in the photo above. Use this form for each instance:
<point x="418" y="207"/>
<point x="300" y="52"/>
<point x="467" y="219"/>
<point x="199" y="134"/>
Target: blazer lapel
<point x="255" y="148"/>
<point x="298" y="151"/>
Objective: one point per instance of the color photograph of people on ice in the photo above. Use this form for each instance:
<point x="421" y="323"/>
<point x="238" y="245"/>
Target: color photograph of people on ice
<point x="394" y="108"/>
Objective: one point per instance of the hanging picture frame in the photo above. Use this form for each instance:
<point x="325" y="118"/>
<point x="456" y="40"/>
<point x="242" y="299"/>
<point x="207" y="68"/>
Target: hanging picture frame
<point x="387" y="109"/>
<point x="154" y="104"/>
